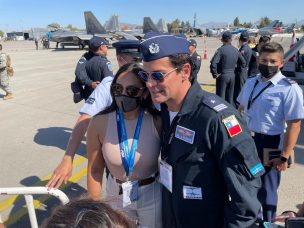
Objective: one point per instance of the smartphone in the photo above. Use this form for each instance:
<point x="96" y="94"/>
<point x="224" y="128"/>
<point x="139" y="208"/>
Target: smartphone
<point x="294" y="222"/>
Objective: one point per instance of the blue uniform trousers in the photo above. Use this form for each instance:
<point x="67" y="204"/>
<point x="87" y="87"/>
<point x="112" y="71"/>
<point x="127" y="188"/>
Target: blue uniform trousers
<point x="268" y="195"/>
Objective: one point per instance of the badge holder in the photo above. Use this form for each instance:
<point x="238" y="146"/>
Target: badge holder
<point x="165" y="174"/>
<point x="130" y="193"/>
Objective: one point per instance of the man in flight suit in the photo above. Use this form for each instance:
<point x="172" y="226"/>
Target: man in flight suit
<point x="97" y="67"/>
<point x="241" y="71"/>
<point x="209" y="165"/>
<point x="222" y="67"/>
<point x="195" y="57"/>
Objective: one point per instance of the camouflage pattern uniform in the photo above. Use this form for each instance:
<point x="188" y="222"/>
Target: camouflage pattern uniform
<point x="4" y="79"/>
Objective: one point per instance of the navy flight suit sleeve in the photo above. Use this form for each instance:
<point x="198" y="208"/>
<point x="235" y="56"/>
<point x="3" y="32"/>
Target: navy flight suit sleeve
<point x="214" y="63"/>
<point x="241" y="170"/>
<point x="81" y="73"/>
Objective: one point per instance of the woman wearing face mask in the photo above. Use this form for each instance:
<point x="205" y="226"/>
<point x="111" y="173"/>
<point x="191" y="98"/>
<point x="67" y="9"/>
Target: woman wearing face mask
<point x="124" y="139"/>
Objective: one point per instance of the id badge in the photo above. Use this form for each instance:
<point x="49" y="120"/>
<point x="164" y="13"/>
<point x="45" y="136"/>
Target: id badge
<point x="129" y="192"/>
<point x="165" y="174"/>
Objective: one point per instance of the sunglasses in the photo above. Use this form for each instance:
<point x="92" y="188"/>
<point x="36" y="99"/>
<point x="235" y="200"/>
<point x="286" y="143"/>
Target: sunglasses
<point x="132" y="91"/>
<point x="156" y="75"/>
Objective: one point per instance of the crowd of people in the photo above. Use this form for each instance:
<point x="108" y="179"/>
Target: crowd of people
<point x="173" y="154"/>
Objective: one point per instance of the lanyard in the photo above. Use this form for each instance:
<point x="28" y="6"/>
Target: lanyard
<point x="127" y="156"/>
<point x="251" y="100"/>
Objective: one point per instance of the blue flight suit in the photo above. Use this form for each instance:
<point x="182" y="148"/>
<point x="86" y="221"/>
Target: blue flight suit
<point x="209" y="157"/>
<point x="267" y="113"/>
<point x="223" y="63"/>
<point x="97" y="68"/>
<point x="253" y="66"/>
<point x="197" y="61"/>
<point x="242" y="72"/>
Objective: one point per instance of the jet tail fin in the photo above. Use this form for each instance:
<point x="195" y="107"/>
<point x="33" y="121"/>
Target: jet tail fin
<point x="93" y="26"/>
<point x="149" y="26"/>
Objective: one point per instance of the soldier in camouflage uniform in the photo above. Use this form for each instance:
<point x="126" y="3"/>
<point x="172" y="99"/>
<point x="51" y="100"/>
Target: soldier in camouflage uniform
<point x="5" y="64"/>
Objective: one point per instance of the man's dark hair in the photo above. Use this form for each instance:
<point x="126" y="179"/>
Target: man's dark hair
<point x="272" y="47"/>
<point x="145" y="102"/>
<point x="136" y="57"/>
<point x="179" y="60"/>
<point x="87" y="213"/>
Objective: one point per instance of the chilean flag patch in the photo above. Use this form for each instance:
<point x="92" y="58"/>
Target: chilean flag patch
<point x="232" y="125"/>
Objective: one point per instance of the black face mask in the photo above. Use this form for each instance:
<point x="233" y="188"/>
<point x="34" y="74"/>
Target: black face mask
<point x="268" y="71"/>
<point x="126" y="103"/>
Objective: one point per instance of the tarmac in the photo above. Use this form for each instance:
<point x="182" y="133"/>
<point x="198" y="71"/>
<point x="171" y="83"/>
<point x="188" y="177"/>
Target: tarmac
<point x="36" y="124"/>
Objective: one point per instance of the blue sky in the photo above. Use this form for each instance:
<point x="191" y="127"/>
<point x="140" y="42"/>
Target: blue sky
<point x="24" y="14"/>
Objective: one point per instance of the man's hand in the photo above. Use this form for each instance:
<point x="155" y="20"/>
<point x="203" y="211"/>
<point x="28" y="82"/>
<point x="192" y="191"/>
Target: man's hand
<point x="282" y="217"/>
<point x="278" y="164"/>
<point x="62" y="173"/>
<point x="215" y="76"/>
<point x="95" y="84"/>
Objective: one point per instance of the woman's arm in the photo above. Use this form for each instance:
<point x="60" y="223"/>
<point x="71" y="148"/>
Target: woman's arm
<point x="96" y="163"/>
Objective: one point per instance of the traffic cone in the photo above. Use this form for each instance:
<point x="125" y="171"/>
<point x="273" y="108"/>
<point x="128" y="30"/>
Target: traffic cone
<point x="205" y="54"/>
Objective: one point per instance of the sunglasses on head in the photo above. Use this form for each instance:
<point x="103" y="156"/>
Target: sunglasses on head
<point x="132" y="91"/>
<point x="156" y="75"/>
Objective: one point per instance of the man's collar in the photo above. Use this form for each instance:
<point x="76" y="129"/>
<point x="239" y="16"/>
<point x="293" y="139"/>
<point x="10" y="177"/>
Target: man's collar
<point x="191" y="99"/>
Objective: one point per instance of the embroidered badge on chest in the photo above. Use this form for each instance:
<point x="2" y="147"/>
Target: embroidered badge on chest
<point x="232" y="125"/>
<point x="184" y="134"/>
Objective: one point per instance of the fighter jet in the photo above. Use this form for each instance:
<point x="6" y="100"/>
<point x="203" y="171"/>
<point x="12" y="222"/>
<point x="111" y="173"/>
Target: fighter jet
<point x="81" y="39"/>
<point x="273" y="28"/>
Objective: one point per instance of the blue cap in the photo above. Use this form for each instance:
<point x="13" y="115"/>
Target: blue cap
<point x="127" y="46"/>
<point x="244" y="36"/>
<point x="192" y="42"/>
<point x="158" y="45"/>
<point x="96" y="42"/>
<point x="226" y="35"/>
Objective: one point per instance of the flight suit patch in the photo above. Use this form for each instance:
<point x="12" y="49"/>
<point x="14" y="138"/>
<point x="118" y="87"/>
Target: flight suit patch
<point x="90" y="100"/>
<point x="232" y="125"/>
<point x="184" y="134"/>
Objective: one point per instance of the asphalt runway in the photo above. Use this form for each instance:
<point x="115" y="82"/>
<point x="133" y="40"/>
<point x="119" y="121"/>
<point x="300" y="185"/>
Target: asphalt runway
<point x="36" y="124"/>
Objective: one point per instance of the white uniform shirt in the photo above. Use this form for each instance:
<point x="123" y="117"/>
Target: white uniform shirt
<point x="99" y="99"/>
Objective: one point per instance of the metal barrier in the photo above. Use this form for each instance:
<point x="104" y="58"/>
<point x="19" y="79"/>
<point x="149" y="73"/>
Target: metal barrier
<point x="28" y="193"/>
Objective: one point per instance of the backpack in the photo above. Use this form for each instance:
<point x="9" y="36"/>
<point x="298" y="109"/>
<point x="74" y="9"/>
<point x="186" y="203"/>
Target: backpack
<point x="2" y="60"/>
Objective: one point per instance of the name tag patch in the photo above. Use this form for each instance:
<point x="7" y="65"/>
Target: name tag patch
<point x="184" y="134"/>
<point x="232" y="125"/>
<point x="190" y="192"/>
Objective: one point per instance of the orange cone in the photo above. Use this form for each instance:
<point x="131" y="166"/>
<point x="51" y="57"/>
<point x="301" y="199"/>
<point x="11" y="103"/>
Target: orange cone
<point x="205" y="54"/>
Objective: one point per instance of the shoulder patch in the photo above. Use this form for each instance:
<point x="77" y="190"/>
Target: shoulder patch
<point x="90" y="100"/>
<point x="215" y="103"/>
<point x="232" y="125"/>
<point x="198" y="57"/>
<point x="289" y="81"/>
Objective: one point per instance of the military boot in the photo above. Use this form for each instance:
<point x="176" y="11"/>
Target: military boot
<point x="8" y="96"/>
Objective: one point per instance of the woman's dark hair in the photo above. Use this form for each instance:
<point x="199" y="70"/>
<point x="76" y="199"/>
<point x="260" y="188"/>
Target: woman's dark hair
<point x="178" y="60"/>
<point x="145" y="102"/>
<point x="83" y="213"/>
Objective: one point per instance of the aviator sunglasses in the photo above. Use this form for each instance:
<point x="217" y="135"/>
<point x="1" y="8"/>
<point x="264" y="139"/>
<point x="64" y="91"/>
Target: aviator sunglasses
<point x="132" y="91"/>
<point x="156" y="75"/>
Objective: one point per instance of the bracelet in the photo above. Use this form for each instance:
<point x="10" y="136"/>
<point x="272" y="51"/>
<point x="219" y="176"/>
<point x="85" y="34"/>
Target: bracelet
<point x="295" y="213"/>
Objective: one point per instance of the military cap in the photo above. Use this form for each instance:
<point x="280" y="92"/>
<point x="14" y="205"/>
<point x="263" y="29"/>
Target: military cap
<point x="192" y="42"/>
<point x="226" y="35"/>
<point x="244" y="36"/>
<point x="96" y="42"/>
<point x="159" y="45"/>
<point x="127" y="46"/>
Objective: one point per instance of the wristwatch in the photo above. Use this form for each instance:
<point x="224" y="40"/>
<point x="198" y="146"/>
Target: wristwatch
<point x="283" y="159"/>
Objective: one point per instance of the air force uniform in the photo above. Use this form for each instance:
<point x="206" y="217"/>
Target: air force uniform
<point x="268" y="105"/>
<point x="207" y="154"/>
